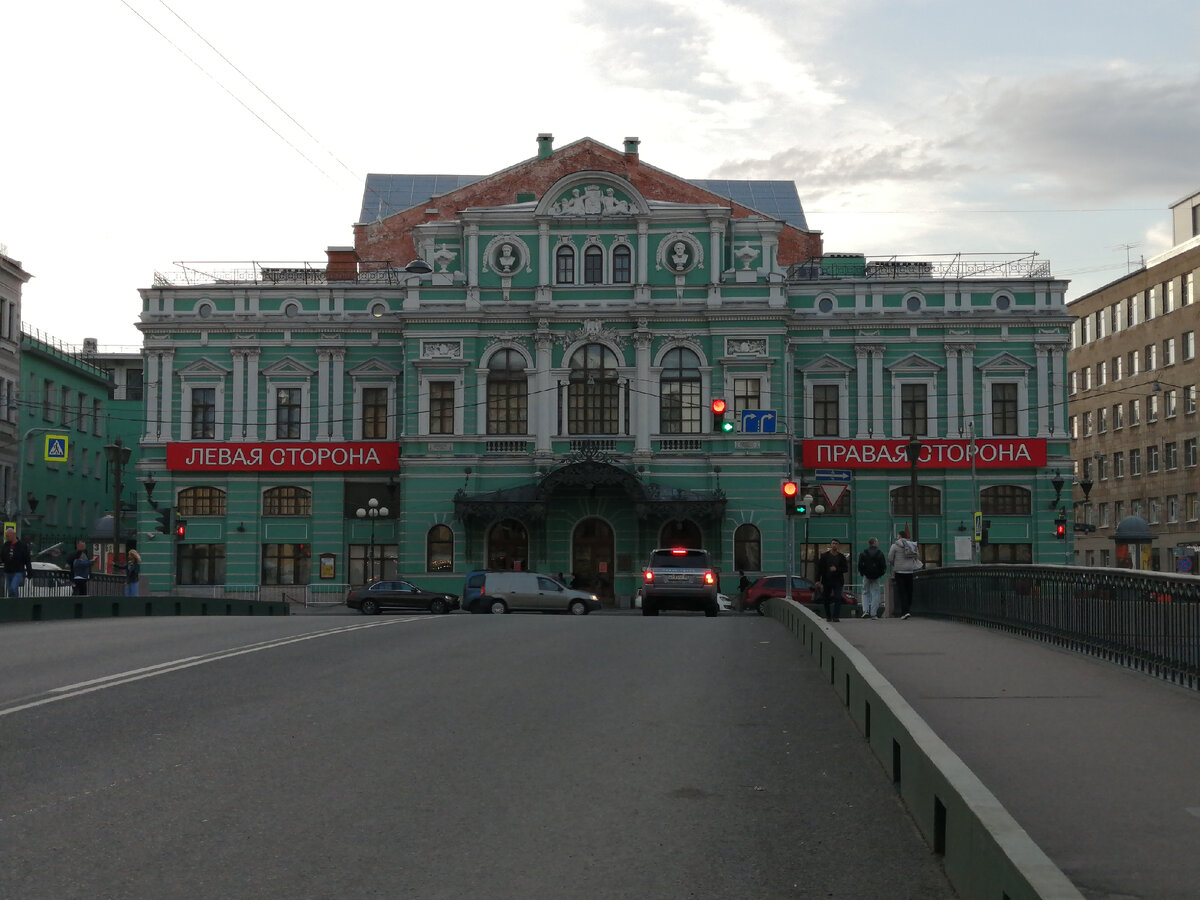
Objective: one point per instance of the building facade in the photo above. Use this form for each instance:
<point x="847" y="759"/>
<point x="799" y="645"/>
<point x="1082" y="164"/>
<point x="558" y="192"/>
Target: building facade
<point x="12" y="280"/>
<point x="1134" y="424"/>
<point x="520" y="370"/>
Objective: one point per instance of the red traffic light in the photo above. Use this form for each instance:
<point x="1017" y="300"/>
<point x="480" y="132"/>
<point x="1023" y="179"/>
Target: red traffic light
<point x="718" y="407"/>
<point x="790" y="489"/>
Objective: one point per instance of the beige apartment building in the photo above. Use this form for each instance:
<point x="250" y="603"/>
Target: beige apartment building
<point x="1133" y="419"/>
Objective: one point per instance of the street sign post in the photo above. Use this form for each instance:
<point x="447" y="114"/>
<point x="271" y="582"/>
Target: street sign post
<point x="758" y="421"/>
<point x="56" y="448"/>
<point x="833" y="476"/>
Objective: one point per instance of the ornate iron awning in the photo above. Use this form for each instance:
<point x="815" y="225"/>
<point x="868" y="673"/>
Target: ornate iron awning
<point x="530" y="502"/>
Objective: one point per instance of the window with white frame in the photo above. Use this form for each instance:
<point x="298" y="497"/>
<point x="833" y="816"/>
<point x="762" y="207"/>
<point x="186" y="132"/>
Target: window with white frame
<point x="1101" y="374"/>
<point x="1189" y="452"/>
<point x="1152" y="458"/>
<point x="1168" y="354"/>
<point x="204" y="413"/>
<point x="1118" y="465"/>
<point x="1117" y="365"/>
<point x="1102" y="420"/>
<point x="1118" y="416"/>
<point x="1135" y="412"/>
<point x="593" y="265"/>
<point x="1170" y="455"/>
<point x="507" y="393"/>
<point x="564" y="264"/>
<point x="1155" y="504"/>
<point x="1189" y="345"/>
<point x="1135" y="462"/>
<point x="1189" y="400"/>
<point x="1191" y="506"/>
<point x="914" y="409"/>
<point x="441" y="407"/>
<point x="1170" y="403"/>
<point x="826" y="414"/>
<point x="747" y="394"/>
<point x="622" y="264"/>
<point x="1005" y="410"/>
<point x="679" y="406"/>
<point x="439" y="411"/>
<point x="288" y="409"/>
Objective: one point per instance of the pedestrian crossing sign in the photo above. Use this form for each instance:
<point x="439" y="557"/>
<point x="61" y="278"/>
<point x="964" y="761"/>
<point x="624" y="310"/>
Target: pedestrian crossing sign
<point x="56" y="448"/>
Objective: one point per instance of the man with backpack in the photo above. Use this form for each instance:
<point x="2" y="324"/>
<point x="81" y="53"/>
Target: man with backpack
<point x="872" y="566"/>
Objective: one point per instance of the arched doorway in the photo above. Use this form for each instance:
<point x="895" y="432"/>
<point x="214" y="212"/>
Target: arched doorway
<point x="592" y="554"/>
<point x="508" y="546"/>
<point x="678" y="533"/>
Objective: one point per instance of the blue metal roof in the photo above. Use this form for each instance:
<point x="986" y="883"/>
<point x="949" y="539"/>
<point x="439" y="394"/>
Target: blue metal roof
<point x="386" y="195"/>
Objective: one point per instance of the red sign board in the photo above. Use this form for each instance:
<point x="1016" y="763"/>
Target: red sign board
<point x="989" y="453"/>
<point x="284" y="456"/>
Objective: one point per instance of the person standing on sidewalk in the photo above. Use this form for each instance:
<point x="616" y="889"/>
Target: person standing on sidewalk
<point x="17" y="563"/>
<point x="832" y="569"/>
<point x="81" y="569"/>
<point x="904" y="558"/>
<point x="872" y="566"/>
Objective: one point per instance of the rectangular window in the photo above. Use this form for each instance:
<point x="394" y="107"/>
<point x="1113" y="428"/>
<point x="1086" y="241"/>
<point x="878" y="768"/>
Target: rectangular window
<point x="679" y="406"/>
<point x="622" y="265"/>
<point x="1189" y="399"/>
<point x="508" y="403"/>
<point x="1132" y="361"/>
<point x="914" y="409"/>
<point x="1152" y="458"/>
<point x="1152" y="408"/>
<point x="1105" y="515"/>
<point x="1073" y="383"/>
<point x="1150" y="358"/>
<point x="65" y="407"/>
<point x="1117" y="365"/>
<point x="200" y="564"/>
<point x="1170" y="403"/>
<point x="1118" y="416"/>
<point x="204" y="413"/>
<point x="564" y="266"/>
<point x="1189" y="345"/>
<point x="1102" y="420"/>
<point x="1087" y="378"/>
<point x="287" y="413"/>
<point x="1004" y="409"/>
<point x="1168" y="356"/>
<point x="374" y="414"/>
<point x="1118" y="510"/>
<point x="97" y="416"/>
<point x="593" y="266"/>
<point x="1189" y="452"/>
<point x="1088" y="423"/>
<point x="135" y="384"/>
<point x="1102" y="468"/>
<point x="825" y="410"/>
<point x="1155" y="504"/>
<point x="1135" y="462"/>
<point x="1191" y="507"/>
<point x="1170" y="455"/>
<point x="1118" y="465"/>
<point x="1101" y="374"/>
<point x="747" y="394"/>
<point x="1135" y="412"/>
<point x="441" y="407"/>
<point x="1137" y="507"/>
<point x="47" y="400"/>
<point x="285" y="564"/>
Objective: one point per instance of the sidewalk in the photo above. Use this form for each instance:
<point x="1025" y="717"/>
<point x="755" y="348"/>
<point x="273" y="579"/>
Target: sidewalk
<point x="1099" y="764"/>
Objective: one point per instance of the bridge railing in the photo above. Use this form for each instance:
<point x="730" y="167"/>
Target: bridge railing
<point x="1145" y="620"/>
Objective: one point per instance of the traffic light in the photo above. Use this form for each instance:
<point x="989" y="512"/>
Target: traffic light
<point x="1060" y="527"/>
<point x="718" y="417"/>
<point x="180" y="529"/>
<point x="166" y="521"/>
<point x="801" y="506"/>
<point x="791" y="496"/>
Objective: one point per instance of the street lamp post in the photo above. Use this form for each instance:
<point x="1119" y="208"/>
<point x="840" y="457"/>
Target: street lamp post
<point x="117" y="455"/>
<point x="372" y="511"/>
<point x="913" y="450"/>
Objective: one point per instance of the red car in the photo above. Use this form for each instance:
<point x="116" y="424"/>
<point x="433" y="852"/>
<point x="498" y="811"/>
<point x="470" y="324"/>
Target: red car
<point x="774" y="586"/>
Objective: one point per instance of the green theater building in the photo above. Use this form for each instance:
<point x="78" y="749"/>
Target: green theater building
<point x="516" y="371"/>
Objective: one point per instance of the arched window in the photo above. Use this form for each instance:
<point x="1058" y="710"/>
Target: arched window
<point x="507" y="393"/>
<point x="287" y="501"/>
<point x="747" y="549"/>
<point x="622" y="258"/>
<point x="679" y="392"/>
<point x="593" y="394"/>
<point x="678" y="533"/>
<point x="593" y="265"/>
<point x="1006" y="500"/>
<point x="439" y="549"/>
<point x="564" y="265"/>
<point x="929" y="501"/>
<point x="201" y="501"/>
<point x="508" y="546"/>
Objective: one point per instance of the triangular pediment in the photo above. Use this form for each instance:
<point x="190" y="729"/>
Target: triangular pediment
<point x="288" y="368"/>
<point x="1003" y="362"/>
<point x="826" y="365"/>
<point x="373" y="368"/>
<point x="203" y="368"/>
<point x="914" y="364"/>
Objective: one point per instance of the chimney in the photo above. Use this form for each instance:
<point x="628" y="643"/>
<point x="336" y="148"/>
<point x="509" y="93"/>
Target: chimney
<point x="631" y="148"/>
<point x="545" y="145"/>
<point x="342" y="265"/>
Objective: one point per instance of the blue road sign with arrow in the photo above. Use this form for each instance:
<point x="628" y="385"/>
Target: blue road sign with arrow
<point x="758" y="421"/>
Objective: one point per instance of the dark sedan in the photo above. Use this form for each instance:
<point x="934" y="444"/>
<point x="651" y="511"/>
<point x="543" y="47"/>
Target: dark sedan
<point x="373" y="598"/>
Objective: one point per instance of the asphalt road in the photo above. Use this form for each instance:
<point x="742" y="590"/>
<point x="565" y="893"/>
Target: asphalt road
<point x="428" y="757"/>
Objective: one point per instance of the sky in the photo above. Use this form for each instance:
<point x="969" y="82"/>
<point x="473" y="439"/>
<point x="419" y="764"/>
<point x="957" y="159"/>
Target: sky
<point x="142" y="133"/>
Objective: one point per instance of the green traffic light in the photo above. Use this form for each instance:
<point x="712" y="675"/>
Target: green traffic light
<point x="727" y="427"/>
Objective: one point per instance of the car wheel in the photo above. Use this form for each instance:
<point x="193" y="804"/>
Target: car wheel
<point x="498" y="607"/>
<point x="577" y="608"/>
<point x="437" y="606"/>
<point x="762" y="606"/>
<point x="368" y="608"/>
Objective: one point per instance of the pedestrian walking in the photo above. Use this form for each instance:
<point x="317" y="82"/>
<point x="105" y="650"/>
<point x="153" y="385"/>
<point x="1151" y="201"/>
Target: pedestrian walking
<point x="81" y="569"/>
<point x="872" y="566"/>
<point x="18" y="564"/>
<point x="904" y="558"/>
<point x="832" y="568"/>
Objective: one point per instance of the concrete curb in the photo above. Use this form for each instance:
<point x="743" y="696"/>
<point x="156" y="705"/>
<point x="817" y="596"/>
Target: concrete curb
<point x="985" y="853"/>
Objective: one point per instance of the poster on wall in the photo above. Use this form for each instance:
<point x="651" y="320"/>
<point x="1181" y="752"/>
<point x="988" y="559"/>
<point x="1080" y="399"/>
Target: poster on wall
<point x="327" y="566"/>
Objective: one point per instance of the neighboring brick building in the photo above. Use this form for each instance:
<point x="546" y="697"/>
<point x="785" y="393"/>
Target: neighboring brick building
<point x="1134" y="422"/>
<point x="520" y="368"/>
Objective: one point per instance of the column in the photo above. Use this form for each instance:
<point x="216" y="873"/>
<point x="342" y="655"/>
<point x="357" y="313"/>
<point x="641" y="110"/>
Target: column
<point x="715" y="234"/>
<point x="152" y="408"/>
<point x="337" y="364"/>
<point x="863" y="355"/>
<point x="166" y="378"/>
<point x="251" y="421"/>
<point x="543" y="254"/>
<point x="543" y="409"/>
<point x="967" y="355"/>
<point x="644" y="392"/>
<point x="472" y="249"/>
<point x="877" y="390"/>
<point x="953" y="423"/>
<point x="237" y="427"/>
<point x="1060" y="374"/>
<point x="1045" y="397"/>
<point x="643" y="244"/>
<point x="322" y="430"/>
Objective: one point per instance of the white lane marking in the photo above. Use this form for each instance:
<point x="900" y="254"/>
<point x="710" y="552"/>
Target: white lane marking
<point x="187" y="662"/>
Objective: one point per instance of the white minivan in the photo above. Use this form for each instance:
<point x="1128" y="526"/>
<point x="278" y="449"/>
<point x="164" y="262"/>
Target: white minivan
<point x="503" y="592"/>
